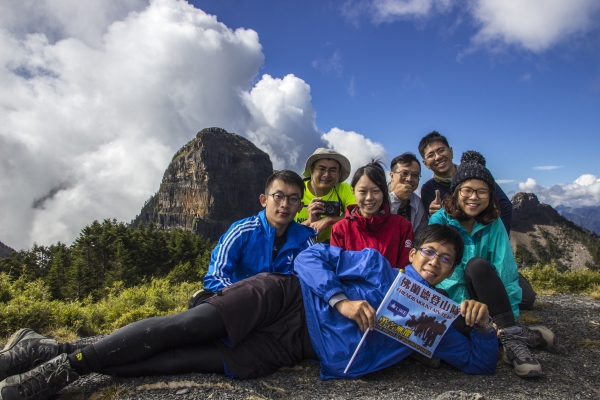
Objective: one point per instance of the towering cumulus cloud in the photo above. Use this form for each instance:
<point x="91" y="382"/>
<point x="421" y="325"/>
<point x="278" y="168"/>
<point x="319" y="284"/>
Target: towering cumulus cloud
<point x="95" y="99"/>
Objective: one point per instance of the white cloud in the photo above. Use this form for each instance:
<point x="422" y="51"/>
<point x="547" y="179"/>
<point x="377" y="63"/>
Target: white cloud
<point x="351" y="87"/>
<point x="532" y="24"/>
<point x="526" y="77"/>
<point x="391" y="10"/>
<point x="282" y="120"/>
<point x="357" y="148"/>
<point x="89" y="120"/>
<point x="584" y="191"/>
<point x="60" y="19"/>
<point x="331" y="64"/>
<point x="547" y="167"/>
<point x="502" y="181"/>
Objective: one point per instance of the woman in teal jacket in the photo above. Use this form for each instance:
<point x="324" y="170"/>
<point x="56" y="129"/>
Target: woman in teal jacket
<point x="488" y="271"/>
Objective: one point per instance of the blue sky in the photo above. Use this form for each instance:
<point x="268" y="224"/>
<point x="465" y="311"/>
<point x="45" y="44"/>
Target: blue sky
<point x="396" y="81"/>
<point x="97" y="96"/>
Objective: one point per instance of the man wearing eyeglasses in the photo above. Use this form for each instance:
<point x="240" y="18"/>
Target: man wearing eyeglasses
<point x="267" y="242"/>
<point x="437" y="156"/>
<point x="404" y="180"/>
<point x="326" y="195"/>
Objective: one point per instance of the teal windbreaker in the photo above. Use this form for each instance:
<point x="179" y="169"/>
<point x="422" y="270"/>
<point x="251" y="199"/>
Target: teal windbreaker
<point x="490" y="242"/>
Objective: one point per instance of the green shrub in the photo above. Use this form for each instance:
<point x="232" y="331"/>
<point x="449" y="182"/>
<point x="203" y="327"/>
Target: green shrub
<point x="29" y="305"/>
<point x="549" y="280"/>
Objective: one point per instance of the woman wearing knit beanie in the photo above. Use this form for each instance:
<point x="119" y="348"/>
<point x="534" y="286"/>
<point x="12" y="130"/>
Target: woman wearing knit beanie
<point x="488" y="271"/>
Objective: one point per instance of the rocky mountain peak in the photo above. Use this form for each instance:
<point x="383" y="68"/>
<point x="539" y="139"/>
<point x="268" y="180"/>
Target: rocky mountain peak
<point x="539" y="234"/>
<point x="525" y="202"/>
<point x="5" y="251"/>
<point x="212" y="181"/>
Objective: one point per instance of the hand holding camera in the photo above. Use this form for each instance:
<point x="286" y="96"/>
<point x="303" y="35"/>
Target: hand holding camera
<point x="319" y="207"/>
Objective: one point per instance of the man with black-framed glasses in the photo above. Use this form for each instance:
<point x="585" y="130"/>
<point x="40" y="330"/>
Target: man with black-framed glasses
<point x="267" y="242"/>
<point x="437" y="156"/>
<point x="405" y="173"/>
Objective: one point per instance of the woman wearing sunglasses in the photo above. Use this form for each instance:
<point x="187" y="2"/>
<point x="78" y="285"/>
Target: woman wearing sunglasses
<point x="488" y="271"/>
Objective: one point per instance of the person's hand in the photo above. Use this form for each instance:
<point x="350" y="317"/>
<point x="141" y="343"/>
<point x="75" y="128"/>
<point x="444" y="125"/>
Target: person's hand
<point x="474" y="312"/>
<point x="315" y="210"/>
<point x="320" y="224"/>
<point x="435" y="204"/>
<point x="359" y="311"/>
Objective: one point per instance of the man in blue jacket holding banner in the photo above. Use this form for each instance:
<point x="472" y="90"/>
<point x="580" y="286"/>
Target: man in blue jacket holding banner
<point x="270" y="320"/>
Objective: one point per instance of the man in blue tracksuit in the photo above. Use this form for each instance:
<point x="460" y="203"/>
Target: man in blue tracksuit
<point x="262" y="323"/>
<point x="267" y="242"/>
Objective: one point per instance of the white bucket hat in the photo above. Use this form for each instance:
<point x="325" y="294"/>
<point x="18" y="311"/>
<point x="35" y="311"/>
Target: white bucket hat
<point x="321" y="153"/>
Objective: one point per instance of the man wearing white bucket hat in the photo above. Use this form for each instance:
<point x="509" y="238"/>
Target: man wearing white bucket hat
<point x="326" y="195"/>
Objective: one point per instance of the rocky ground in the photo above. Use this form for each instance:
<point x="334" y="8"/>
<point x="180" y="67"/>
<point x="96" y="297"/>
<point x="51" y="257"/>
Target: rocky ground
<point x="571" y="370"/>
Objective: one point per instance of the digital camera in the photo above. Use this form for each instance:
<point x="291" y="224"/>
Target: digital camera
<point x="332" y="208"/>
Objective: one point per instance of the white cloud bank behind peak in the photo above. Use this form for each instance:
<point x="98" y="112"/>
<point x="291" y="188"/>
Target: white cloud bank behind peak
<point x="89" y="119"/>
<point x="535" y="25"/>
<point x="584" y="191"/>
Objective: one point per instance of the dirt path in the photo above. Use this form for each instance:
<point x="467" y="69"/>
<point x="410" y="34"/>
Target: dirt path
<point x="571" y="370"/>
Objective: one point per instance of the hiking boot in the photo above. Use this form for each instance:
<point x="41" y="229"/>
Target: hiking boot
<point x="538" y="337"/>
<point x="25" y="349"/>
<point x="517" y="354"/>
<point x="41" y="382"/>
<point x="432" y="362"/>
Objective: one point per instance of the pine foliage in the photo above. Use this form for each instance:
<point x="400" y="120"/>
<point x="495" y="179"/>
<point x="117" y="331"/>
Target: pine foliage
<point x="108" y="253"/>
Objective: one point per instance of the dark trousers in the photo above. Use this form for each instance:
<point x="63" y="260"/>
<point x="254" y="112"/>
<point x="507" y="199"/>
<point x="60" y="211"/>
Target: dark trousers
<point x="174" y="344"/>
<point x="484" y="285"/>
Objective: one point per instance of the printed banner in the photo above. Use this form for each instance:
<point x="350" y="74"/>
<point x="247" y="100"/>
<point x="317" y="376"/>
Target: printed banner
<point x="416" y="315"/>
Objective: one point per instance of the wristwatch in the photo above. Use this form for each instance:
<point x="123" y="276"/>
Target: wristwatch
<point x="486" y="327"/>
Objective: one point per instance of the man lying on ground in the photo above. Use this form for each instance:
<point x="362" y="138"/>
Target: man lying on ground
<point x="265" y="322"/>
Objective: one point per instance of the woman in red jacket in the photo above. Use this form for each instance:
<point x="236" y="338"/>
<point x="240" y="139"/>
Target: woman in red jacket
<point x="369" y="224"/>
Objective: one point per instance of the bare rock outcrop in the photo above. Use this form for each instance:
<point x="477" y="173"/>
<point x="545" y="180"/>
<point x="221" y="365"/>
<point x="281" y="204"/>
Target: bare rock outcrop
<point x="5" y="251"/>
<point x="539" y="234"/>
<point x="212" y="181"/>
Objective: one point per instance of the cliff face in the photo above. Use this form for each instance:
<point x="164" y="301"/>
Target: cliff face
<point x="211" y="182"/>
<point x="539" y="234"/>
<point x="5" y="251"/>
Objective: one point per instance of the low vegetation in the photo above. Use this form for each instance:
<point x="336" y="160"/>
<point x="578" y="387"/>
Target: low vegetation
<point x="549" y="280"/>
<point x="29" y="304"/>
<point x="113" y="275"/>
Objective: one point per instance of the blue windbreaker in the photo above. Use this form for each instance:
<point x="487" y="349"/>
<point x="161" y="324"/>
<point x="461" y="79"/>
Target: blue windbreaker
<point x="246" y="249"/>
<point x="366" y="275"/>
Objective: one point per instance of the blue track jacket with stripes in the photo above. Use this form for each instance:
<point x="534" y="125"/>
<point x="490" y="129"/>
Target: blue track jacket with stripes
<point x="246" y="249"/>
<point x="366" y="275"/>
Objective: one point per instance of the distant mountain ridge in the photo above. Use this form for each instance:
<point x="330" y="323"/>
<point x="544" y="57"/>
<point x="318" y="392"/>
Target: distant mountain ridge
<point x="587" y="216"/>
<point x="5" y="251"/>
<point x="539" y="234"/>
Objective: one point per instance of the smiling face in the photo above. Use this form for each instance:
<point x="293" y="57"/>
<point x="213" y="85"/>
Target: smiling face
<point x="369" y="196"/>
<point x="279" y="215"/>
<point x="403" y="188"/>
<point x="431" y="269"/>
<point x="438" y="158"/>
<point x="472" y="206"/>
<point x="324" y="175"/>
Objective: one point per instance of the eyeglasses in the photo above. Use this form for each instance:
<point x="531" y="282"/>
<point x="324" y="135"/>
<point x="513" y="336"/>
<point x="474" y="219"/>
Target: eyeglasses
<point x="444" y="261"/>
<point x="405" y="174"/>
<point x="468" y="192"/>
<point x="331" y="171"/>
<point x="292" y="199"/>
<point x="438" y="151"/>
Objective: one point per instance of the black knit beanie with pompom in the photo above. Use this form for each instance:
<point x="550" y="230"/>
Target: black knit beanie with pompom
<point x="472" y="166"/>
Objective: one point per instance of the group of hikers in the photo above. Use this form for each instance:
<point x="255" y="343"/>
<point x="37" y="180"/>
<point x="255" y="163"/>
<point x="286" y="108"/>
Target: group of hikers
<point x="303" y="280"/>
